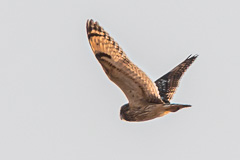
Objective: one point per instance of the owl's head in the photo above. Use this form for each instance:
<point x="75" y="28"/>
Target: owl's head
<point x="124" y="112"/>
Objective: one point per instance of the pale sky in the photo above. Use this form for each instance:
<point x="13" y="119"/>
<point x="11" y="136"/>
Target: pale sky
<point x="56" y="103"/>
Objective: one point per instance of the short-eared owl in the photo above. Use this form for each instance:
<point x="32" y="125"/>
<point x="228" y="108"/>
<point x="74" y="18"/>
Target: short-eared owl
<point x="147" y="100"/>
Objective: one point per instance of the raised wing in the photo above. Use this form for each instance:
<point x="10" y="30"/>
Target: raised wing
<point x="135" y="84"/>
<point x="168" y="83"/>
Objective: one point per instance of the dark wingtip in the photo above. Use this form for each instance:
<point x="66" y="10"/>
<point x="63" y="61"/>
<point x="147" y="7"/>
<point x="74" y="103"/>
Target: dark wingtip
<point x="196" y="55"/>
<point x="93" y="25"/>
<point x="89" y="24"/>
<point x="90" y="21"/>
<point x="192" y="56"/>
<point x="189" y="56"/>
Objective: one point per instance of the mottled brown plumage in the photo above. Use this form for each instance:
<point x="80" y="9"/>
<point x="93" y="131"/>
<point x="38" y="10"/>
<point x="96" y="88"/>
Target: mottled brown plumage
<point x="168" y="83"/>
<point x="145" y="101"/>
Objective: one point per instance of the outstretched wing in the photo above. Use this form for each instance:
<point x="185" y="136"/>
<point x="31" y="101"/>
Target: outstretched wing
<point x="168" y="83"/>
<point x="135" y="84"/>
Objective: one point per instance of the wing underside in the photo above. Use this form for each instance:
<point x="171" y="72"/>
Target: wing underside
<point x="133" y="82"/>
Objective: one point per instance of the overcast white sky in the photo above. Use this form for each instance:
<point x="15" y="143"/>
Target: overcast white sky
<point x="56" y="103"/>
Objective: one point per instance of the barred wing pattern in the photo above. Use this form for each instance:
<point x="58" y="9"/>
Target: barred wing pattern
<point x="168" y="83"/>
<point x="135" y="84"/>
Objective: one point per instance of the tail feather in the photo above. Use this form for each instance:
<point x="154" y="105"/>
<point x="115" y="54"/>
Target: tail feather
<point x="176" y="107"/>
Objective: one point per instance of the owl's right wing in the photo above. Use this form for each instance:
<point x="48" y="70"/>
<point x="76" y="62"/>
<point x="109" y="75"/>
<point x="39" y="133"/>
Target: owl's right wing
<point x="168" y="83"/>
<point x="135" y="84"/>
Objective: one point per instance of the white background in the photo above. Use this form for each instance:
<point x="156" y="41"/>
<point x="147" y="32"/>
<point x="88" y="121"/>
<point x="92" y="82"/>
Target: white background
<point x="56" y="103"/>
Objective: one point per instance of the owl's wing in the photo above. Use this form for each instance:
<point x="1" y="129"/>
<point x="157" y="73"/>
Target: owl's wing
<point x="135" y="84"/>
<point x="168" y="83"/>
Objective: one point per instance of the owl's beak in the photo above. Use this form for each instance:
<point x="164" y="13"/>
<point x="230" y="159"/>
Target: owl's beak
<point x="122" y="118"/>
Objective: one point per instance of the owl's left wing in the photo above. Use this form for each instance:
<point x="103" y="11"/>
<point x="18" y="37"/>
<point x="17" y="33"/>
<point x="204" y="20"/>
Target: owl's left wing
<point x="168" y="83"/>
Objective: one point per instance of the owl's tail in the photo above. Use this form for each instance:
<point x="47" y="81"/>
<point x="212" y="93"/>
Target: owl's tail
<point x="176" y="107"/>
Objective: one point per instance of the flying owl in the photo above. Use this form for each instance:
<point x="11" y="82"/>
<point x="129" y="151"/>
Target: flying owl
<point x="147" y="99"/>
